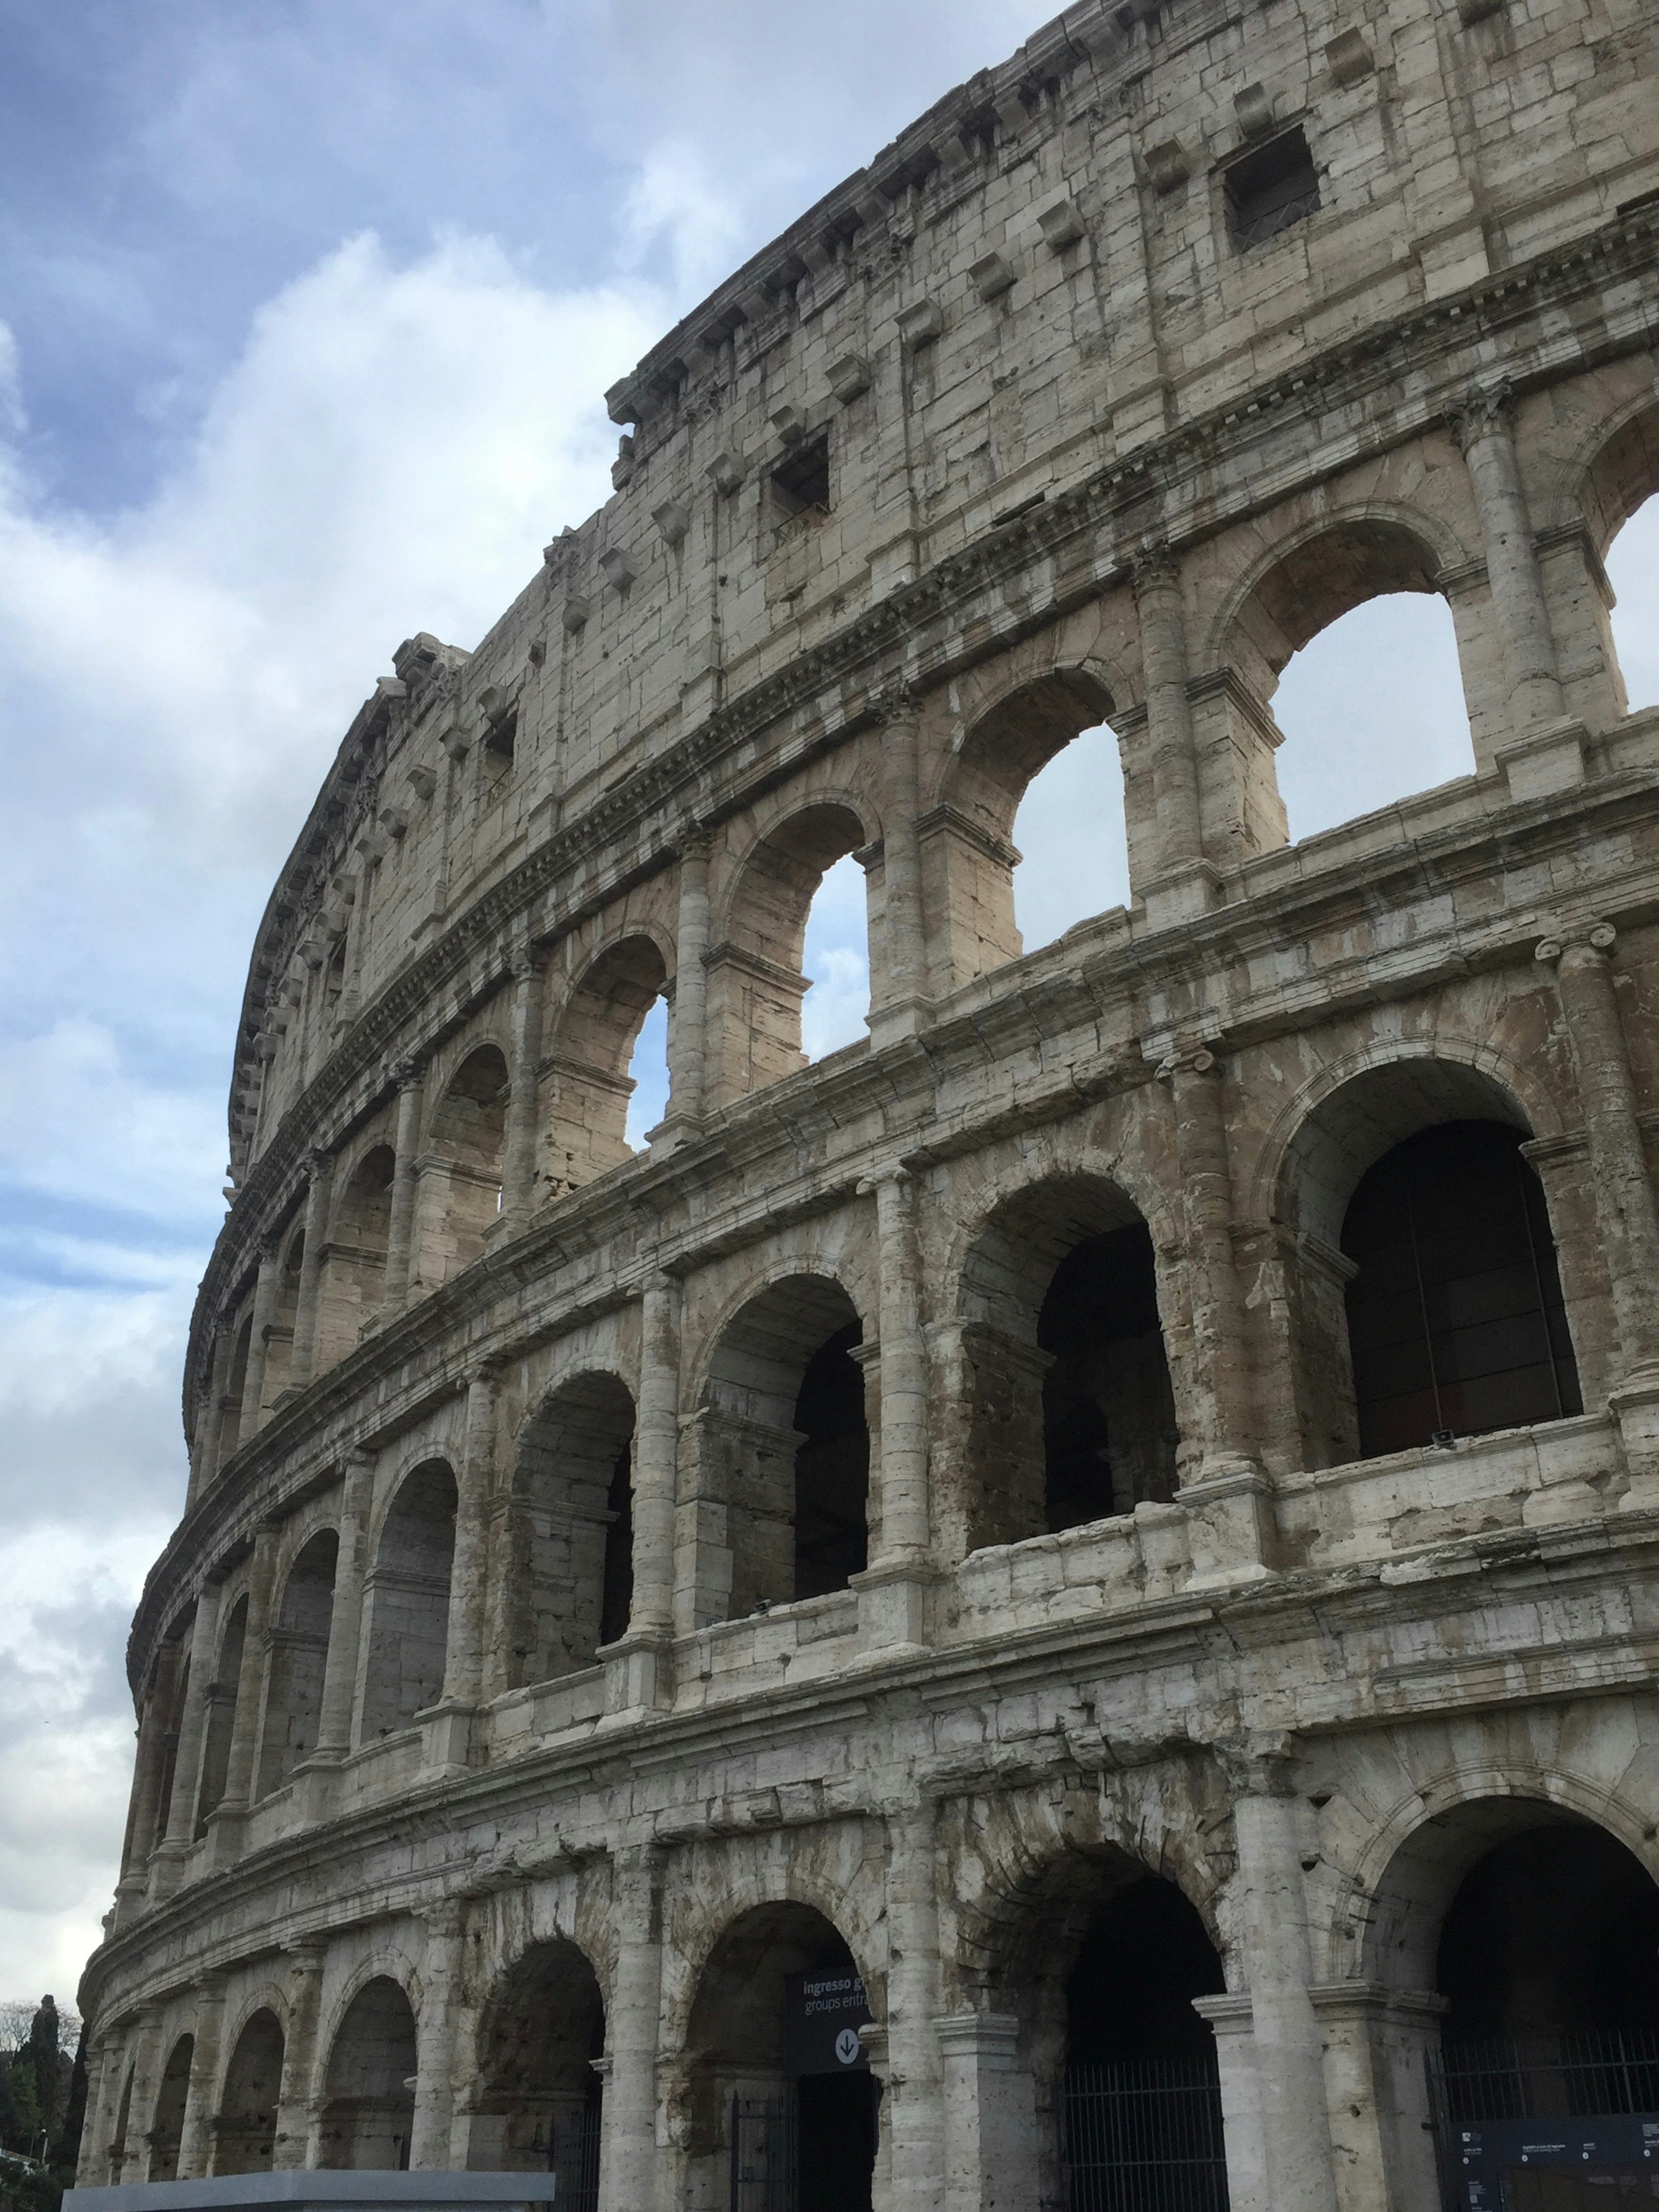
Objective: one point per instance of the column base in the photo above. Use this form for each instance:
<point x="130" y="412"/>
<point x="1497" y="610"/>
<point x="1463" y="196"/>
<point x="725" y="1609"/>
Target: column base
<point x="446" y="1740"/>
<point x="1548" y="759"/>
<point x="1231" y="1523"/>
<point x="673" y="1131"/>
<point x="1180" y="894"/>
<point x="898" y="1020"/>
<point x="226" y="1829"/>
<point x="639" y="1676"/>
<point x="893" y="1598"/>
<point x="1634" y="1405"/>
<point x="317" y="1786"/>
<point x="166" y="1870"/>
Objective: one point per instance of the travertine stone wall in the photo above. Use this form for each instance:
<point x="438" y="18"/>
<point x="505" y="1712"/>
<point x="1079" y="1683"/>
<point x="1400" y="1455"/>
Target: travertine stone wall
<point x="1030" y="425"/>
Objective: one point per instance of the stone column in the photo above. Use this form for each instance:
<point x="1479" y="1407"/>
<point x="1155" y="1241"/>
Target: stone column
<point x="196" y="2137"/>
<point x="632" y="2032"/>
<point x="205" y="1455"/>
<point x="656" y="1460"/>
<point x="901" y="995"/>
<point x="295" y="2095"/>
<point x="915" y="2088"/>
<point x="1228" y="1497"/>
<point x="1157" y="583"/>
<point x="400" y="1235"/>
<point x="1277" y="1959"/>
<point x="450" y="1732"/>
<point x="892" y="1590"/>
<point x="192" y="1724"/>
<point x="266" y="1286"/>
<point x="345" y="1618"/>
<point x="1624" y="1208"/>
<point x="103" y="2088"/>
<point x="434" y="2071"/>
<point x="154" y="1729"/>
<point x="687" y="1042"/>
<point x="518" y="1158"/>
<point x="990" y="2160"/>
<point x="250" y="1681"/>
<point x="141" y="2108"/>
<point x="1484" y="429"/>
<point x="304" y="1362"/>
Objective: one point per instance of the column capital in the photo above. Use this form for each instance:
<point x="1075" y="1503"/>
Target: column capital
<point x="1258" y="1764"/>
<point x="693" y="841"/>
<point x="1482" y="408"/>
<point x="1153" y="566"/>
<point x="527" y="962"/>
<point x="408" y="1073"/>
<point x="443" y="1919"/>
<point x="1189" y="1056"/>
<point x="1594" y="937"/>
<point x="891" y="1174"/>
<point x="894" y="701"/>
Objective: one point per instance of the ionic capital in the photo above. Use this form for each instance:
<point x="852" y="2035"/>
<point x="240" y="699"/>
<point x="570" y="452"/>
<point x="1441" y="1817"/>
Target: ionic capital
<point x="1594" y="937"/>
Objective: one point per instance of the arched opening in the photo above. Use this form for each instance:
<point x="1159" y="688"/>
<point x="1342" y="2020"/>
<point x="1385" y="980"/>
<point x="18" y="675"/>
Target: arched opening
<point x="1623" y="520"/>
<point x="1457" y="1324"/>
<point x="1537" y="1933"/>
<point x="968" y="852"/>
<point x="647" y="1072"/>
<point x="368" y="2107"/>
<point x="407" y="1598"/>
<point x="573" y="1574"/>
<point x="354" y="1282"/>
<point x="230" y="1429"/>
<point x="755" y="985"/>
<point x="279" y="1336"/>
<point x="220" y="1715"/>
<point x="836" y="956"/>
<point x="1066" y="1396"/>
<point x="603" y="1021"/>
<point x="245" y="2139"/>
<point x="784" y="2108"/>
<point x="1072" y="839"/>
<point x="536" y="2102"/>
<point x="166" y="2132"/>
<point x="1385" y="1299"/>
<point x="1350" y="638"/>
<point x="460" y="1187"/>
<point x="299" y="1659"/>
<point x="780" y="1454"/>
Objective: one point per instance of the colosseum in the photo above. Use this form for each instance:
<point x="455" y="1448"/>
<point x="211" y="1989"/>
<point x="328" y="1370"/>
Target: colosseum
<point x="1054" y="1610"/>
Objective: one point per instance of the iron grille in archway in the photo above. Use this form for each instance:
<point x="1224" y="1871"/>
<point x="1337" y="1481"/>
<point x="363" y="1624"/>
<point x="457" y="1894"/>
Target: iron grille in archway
<point x="574" y="2160"/>
<point x="763" y="2154"/>
<point x="1144" y="2135"/>
<point x="1515" y="2118"/>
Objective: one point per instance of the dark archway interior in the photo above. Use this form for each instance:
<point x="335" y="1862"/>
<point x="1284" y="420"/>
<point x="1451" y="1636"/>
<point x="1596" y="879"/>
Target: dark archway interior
<point x="1108" y="1422"/>
<point x="1456" y="1318"/>
<point x="167" y="2131"/>
<point x="1554" y="1931"/>
<point x="538" y="2090"/>
<point x="573" y="1580"/>
<point x="832" y="1469"/>
<point x="409" y="1596"/>
<point x="616" y="1596"/>
<point x="245" y="2141"/>
<point x="369" y="2112"/>
<point x="1146" y="1955"/>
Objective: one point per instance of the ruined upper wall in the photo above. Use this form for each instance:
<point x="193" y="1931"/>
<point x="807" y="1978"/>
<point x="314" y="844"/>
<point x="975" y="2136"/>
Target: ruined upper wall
<point x="1055" y="273"/>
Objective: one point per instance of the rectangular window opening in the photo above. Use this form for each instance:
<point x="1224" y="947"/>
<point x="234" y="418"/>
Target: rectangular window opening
<point x="800" y="484"/>
<point x="1270" y="188"/>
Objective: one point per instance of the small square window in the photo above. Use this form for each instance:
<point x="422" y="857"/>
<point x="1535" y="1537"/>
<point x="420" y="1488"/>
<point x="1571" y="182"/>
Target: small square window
<point x="800" y="485"/>
<point x="1270" y="188"/>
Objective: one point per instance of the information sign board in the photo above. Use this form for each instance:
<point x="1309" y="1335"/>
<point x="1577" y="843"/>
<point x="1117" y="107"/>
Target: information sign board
<point x="823" y="2015"/>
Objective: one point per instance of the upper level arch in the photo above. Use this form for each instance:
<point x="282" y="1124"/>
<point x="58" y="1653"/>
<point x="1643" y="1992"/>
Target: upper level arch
<point x="571" y="1576"/>
<point x="461" y="1165"/>
<point x="406" y="1612"/>
<point x="594" y="1033"/>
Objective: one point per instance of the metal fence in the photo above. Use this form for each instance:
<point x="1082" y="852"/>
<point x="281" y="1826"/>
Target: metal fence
<point x="1595" y="2072"/>
<point x="573" y="2161"/>
<point x="1144" y="2135"/>
<point x="764" y="2154"/>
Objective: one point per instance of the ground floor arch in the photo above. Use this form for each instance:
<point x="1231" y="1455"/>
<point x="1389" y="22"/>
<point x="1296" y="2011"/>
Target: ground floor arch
<point x="367" y="2115"/>
<point x="537" y="2097"/>
<point x="167" y="2130"/>
<point x="245" y="2133"/>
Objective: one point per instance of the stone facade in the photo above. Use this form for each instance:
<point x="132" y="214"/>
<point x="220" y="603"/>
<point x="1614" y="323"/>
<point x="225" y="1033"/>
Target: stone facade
<point x="930" y="1497"/>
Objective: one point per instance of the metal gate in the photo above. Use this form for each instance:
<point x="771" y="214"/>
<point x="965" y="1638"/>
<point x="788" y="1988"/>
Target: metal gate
<point x="573" y="2161"/>
<point x="1144" y="2135"/>
<point x="1506" y="2108"/>
<point x="763" y="2154"/>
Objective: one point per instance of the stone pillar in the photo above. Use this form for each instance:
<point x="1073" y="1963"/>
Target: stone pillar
<point x="915" y="2119"/>
<point x="345" y="1618"/>
<point x="295" y="2096"/>
<point x="434" y="2071"/>
<point x="990" y="2161"/>
<point x="103" y="2090"/>
<point x="1241" y="2102"/>
<point x="518" y="1158"/>
<point x="250" y="1682"/>
<point x="1277" y="1960"/>
<point x="141" y="2108"/>
<point x="901" y="996"/>
<point x="149" y="1813"/>
<point x="1181" y="886"/>
<point x="196" y="2137"/>
<point x="449" y="1734"/>
<point x="892" y="1590"/>
<point x="1484" y="429"/>
<point x="632" y="2029"/>
<point x="304" y="1362"/>
<point x="1227" y="1497"/>
<point x="400" y="1234"/>
<point x="205" y="1455"/>
<point x="656" y="1461"/>
<point x="687" y="1042"/>
<point x="192" y="1725"/>
<point x="265" y="1289"/>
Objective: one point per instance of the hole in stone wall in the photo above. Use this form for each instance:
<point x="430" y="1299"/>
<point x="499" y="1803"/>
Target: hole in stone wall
<point x="1373" y="710"/>
<point x="1270" y="188"/>
<point x="836" y="955"/>
<point x="1069" y="830"/>
<point x="1634" y="572"/>
<point x="800" y="484"/>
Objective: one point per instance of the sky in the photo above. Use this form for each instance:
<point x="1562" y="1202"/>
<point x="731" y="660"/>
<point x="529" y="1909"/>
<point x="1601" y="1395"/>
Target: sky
<point x="305" y="311"/>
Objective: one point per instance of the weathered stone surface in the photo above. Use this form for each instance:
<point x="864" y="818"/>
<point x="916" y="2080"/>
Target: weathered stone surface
<point x="1039" y="420"/>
